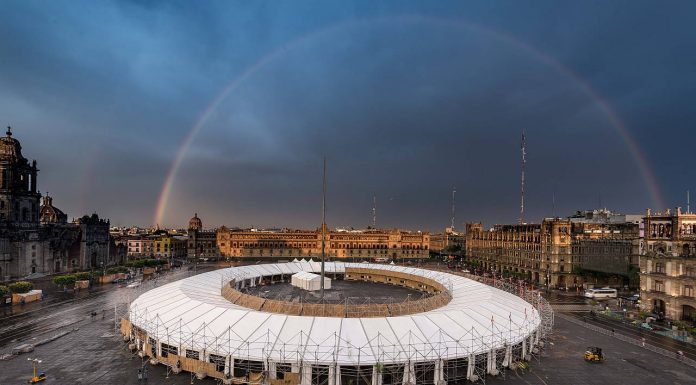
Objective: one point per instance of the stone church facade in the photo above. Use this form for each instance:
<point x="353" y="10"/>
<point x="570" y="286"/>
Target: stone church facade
<point x="37" y="239"/>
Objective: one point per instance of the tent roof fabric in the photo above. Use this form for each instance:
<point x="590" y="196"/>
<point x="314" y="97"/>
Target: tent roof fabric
<point x="307" y="276"/>
<point x="193" y="313"/>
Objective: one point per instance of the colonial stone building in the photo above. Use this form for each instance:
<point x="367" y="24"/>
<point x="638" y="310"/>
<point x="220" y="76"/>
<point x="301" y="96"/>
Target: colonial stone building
<point x="201" y="243"/>
<point x="140" y="246"/>
<point x="440" y="243"/>
<point x="607" y="243"/>
<point x="668" y="264"/>
<point x="541" y="252"/>
<point x="563" y="253"/>
<point x="355" y="244"/>
<point x="37" y="239"/>
<point x="168" y="245"/>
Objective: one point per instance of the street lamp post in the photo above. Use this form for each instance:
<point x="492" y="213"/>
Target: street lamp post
<point x="34" y="364"/>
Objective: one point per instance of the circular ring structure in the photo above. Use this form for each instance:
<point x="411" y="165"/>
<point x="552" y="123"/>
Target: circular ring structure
<point x="190" y="325"/>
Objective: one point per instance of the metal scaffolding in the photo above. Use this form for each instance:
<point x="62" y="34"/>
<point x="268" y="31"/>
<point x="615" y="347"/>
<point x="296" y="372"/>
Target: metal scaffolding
<point x="298" y="359"/>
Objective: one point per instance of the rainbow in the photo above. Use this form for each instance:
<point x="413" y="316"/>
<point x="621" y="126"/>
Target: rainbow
<point x="613" y="118"/>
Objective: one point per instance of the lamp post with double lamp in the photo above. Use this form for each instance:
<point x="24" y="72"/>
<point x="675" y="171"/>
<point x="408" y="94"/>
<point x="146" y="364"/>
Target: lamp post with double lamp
<point x="36" y="377"/>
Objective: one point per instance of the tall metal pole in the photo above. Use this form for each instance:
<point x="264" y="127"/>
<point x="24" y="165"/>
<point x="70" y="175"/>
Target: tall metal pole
<point x="523" y="149"/>
<point x="688" y="202"/>
<point x="454" y="191"/>
<point x="374" y="211"/>
<point x="323" y="227"/>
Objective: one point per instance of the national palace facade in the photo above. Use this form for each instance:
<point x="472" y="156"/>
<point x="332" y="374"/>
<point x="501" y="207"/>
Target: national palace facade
<point x="355" y="244"/>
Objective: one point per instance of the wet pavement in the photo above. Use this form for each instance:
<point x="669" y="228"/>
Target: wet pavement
<point x="562" y="362"/>
<point x="94" y="353"/>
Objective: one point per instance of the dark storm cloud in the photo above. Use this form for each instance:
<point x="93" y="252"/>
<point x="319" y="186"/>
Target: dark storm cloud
<point x="102" y="95"/>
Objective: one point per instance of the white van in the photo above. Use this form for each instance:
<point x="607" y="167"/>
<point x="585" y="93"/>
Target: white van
<point x="604" y="292"/>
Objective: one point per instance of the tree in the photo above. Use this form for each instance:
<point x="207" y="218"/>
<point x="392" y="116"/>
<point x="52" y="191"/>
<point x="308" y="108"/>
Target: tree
<point x="634" y="276"/>
<point x="454" y="248"/>
<point x="21" y="287"/>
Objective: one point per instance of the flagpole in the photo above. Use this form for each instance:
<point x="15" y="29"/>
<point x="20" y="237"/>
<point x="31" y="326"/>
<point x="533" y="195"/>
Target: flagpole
<point x="323" y="227"/>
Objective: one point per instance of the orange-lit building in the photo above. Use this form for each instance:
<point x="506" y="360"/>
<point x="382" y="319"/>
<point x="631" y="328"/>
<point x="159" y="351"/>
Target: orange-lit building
<point x="357" y="244"/>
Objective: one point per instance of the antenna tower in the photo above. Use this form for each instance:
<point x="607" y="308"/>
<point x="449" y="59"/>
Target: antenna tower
<point x="323" y="226"/>
<point x="374" y="211"/>
<point x="688" y="202"/>
<point x="523" y="162"/>
<point x="454" y="191"/>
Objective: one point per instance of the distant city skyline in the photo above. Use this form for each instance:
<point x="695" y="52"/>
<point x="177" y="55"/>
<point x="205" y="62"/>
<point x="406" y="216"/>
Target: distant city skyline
<point x="148" y="113"/>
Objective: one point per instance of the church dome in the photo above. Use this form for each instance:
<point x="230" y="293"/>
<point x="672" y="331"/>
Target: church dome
<point x="10" y="149"/>
<point x="50" y="214"/>
<point x="195" y="223"/>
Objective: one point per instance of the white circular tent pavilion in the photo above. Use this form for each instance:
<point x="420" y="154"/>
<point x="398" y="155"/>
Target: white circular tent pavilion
<point x="190" y="325"/>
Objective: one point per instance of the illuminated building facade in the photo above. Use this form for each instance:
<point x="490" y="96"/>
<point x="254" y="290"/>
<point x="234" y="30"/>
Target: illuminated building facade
<point x="668" y="264"/>
<point x="356" y="244"/>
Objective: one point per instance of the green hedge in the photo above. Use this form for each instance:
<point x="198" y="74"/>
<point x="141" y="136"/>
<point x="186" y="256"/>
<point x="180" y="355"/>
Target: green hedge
<point x="65" y="280"/>
<point x="82" y="276"/>
<point x="4" y="290"/>
<point x="116" y="270"/>
<point x="21" y="287"/>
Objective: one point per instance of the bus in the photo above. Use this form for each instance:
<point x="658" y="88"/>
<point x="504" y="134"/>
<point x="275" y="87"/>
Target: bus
<point x="604" y="292"/>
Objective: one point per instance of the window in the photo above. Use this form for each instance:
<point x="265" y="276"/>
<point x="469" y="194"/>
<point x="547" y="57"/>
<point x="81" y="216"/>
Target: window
<point x="688" y="291"/>
<point x="192" y="354"/>
<point x="659" y="268"/>
<point x="659" y="286"/>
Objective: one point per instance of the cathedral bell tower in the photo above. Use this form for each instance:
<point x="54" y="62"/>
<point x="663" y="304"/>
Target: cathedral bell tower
<point x="19" y="200"/>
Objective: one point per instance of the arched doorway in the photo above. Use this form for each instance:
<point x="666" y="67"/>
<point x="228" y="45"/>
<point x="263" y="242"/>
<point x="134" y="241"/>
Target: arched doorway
<point x="688" y="313"/>
<point x="659" y="306"/>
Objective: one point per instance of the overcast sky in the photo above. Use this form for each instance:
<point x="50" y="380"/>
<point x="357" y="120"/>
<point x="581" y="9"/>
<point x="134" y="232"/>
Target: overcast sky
<point x="407" y="100"/>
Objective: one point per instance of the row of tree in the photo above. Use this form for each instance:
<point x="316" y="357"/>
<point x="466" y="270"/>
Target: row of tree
<point x="140" y="263"/>
<point x="70" y="279"/>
